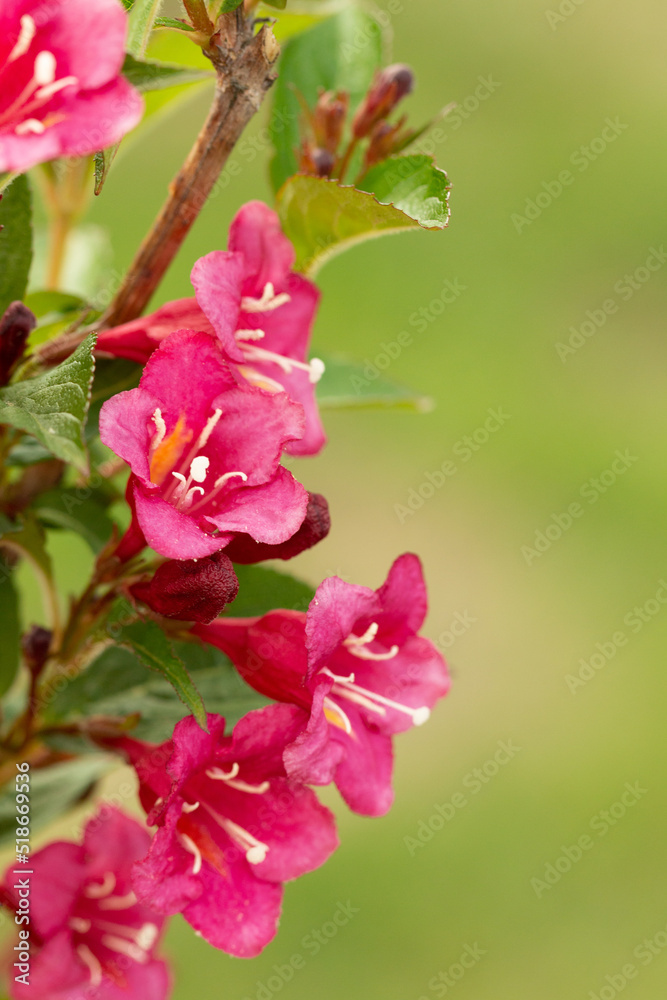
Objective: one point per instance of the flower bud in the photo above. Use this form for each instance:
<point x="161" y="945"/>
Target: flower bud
<point x="316" y="162"/>
<point x="15" y="326"/>
<point x="190" y="589"/>
<point x="316" y="524"/>
<point x="35" y="644"/>
<point x="329" y="119"/>
<point x="389" y="87"/>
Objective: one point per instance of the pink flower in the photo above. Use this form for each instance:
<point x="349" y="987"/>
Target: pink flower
<point x="204" y="452"/>
<point x="61" y="92"/>
<point x="231" y="826"/>
<point x="260" y="310"/>
<point x="356" y="665"/>
<point x="95" y="941"/>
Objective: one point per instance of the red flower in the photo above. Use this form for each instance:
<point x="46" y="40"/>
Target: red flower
<point x="61" y="92"/>
<point x="356" y="667"/>
<point x="232" y="827"/>
<point x="204" y="452"/>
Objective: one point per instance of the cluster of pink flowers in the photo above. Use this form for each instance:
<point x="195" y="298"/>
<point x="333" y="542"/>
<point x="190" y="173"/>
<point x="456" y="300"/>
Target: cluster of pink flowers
<point x="227" y="387"/>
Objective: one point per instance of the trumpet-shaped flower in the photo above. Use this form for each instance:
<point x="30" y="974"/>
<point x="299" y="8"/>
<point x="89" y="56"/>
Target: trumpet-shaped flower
<point x="259" y="309"/>
<point x="357" y="669"/>
<point x="94" y="939"/>
<point x="232" y="827"/>
<point x="204" y="449"/>
<point x="61" y="92"/>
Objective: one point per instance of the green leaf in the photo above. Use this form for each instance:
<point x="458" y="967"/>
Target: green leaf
<point x="229" y="5"/>
<point x="81" y="510"/>
<point x="156" y="652"/>
<point x="53" y="406"/>
<point x="262" y="590"/>
<point x="15" y="241"/>
<point x="278" y="4"/>
<point x="10" y="629"/>
<point x="102" y="160"/>
<point x="341" y="53"/>
<point x="321" y="218"/>
<point x="414" y="185"/>
<point x="117" y="684"/>
<point x="55" y="311"/>
<point x="53" y="790"/>
<point x="26" y="538"/>
<point x="140" y="23"/>
<point x="28" y="451"/>
<point x="147" y="74"/>
<point x="172" y="22"/>
<point x="349" y="385"/>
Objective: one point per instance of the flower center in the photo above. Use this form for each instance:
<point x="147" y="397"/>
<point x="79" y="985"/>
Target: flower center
<point x="169" y="458"/>
<point x="372" y="701"/>
<point x="255" y="850"/>
<point x="19" y="116"/>
<point x="267" y="303"/>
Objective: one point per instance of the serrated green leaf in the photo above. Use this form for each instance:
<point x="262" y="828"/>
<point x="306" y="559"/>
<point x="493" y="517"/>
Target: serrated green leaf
<point x="414" y="185"/>
<point x="10" y="629"/>
<point x="140" y="24"/>
<point x="322" y="219"/>
<point x="53" y="790"/>
<point x="80" y="510"/>
<point x="147" y="640"/>
<point x="53" y="406"/>
<point x="340" y="53"/>
<point x="262" y="590"/>
<point x="15" y="241"/>
<point x="147" y="74"/>
<point x="349" y="385"/>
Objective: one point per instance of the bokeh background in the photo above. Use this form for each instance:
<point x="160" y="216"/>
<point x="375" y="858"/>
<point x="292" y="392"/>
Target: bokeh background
<point x="422" y="884"/>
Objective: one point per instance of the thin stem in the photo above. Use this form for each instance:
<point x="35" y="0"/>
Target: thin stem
<point x="196" y="11"/>
<point x="243" y="64"/>
<point x="345" y="162"/>
<point x="59" y="230"/>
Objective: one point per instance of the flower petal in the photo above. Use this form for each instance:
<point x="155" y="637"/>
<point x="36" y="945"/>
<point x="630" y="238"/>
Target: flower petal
<point x="268" y="255"/>
<point x="170" y="532"/>
<point x="217" y="280"/>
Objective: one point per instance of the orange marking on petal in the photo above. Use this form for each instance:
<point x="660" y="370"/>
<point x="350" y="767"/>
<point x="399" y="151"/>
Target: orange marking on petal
<point x="208" y="848"/>
<point x="168" y="452"/>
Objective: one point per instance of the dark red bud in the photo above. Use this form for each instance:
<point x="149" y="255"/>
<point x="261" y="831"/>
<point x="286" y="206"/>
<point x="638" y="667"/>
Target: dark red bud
<point x="329" y="119"/>
<point x="389" y="87"/>
<point x="36" y="644"/>
<point x="316" y="162"/>
<point x="316" y="524"/>
<point x="15" y="326"/>
<point x="194" y="590"/>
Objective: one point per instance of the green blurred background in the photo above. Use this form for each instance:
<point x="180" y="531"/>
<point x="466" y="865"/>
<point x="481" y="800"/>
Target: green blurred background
<point x="524" y="622"/>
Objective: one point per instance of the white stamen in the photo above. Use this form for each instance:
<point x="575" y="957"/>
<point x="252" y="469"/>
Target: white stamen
<point x="217" y="774"/>
<point x="160" y="428"/>
<point x="189" y="497"/>
<point x="363" y="640"/>
<point x="259" y="379"/>
<point x="147" y="936"/>
<point x="94" y="965"/>
<point x="317" y="369"/>
<point x="255" y="850"/>
<point x="229" y="475"/>
<point x="208" y="430"/>
<point x="182" y="487"/>
<point x="123" y="947"/>
<point x="45" y="68"/>
<point x="46" y="92"/>
<point x="191" y="847"/>
<point x="31" y="126"/>
<point x="96" y="890"/>
<point x="80" y="925"/>
<point x="361" y="695"/>
<point x="268" y="302"/>
<point x="338" y="711"/>
<point x="189" y="807"/>
<point x="118" y="902"/>
<point x="250" y="334"/>
<point x="367" y="654"/>
<point x="199" y="468"/>
<point x="28" y="29"/>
